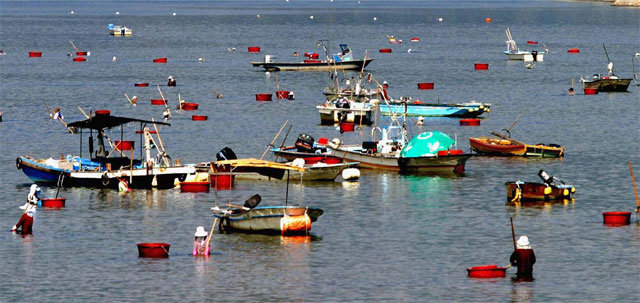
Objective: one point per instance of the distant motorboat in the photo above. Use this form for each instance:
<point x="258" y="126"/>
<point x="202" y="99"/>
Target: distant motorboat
<point x="341" y="61"/>
<point x="609" y="82"/>
<point x="119" y="30"/>
<point x="469" y="109"/>
<point x="514" y="53"/>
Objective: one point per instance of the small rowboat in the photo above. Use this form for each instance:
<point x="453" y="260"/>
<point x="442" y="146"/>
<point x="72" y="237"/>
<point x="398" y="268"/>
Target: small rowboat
<point x="531" y="191"/>
<point x="512" y="147"/>
<point x="288" y="220"/>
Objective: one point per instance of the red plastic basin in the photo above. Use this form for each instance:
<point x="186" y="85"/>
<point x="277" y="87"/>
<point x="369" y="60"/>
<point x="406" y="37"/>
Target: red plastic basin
<point x="425" y="85"/>
<point x="35" y="54"/>
<point x="470" y="122"/>
<point x="144" y="84"/>
<point x="481" y="66"/>
<point x="532" y="42"/>
<point x="264" y="97"/>
<point x="82" y="53"/>
<point x="590" y="91"/>
<point x="346" y="127"/>
<point x="53" y="202"/>
<point x="486" y="271"/>
<point x="79" y="59"/>
<point x="282" y="94"/>
<point x="157" y="102"/>
<point x="254" y="49"/>
<point x="189" y="106"/>
<point x="385" y="50"/>
<point x="573" y="50"/>
<point x="617" y="217"/>
<point x="199" y="118"/>
<point x="194" y="187"/>
<point x="160" y="60"/>
<point x="153" y="250"/>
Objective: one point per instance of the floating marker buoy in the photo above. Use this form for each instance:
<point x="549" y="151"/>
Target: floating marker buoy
<point x="488" y="20"/>
<point x="375" y="18"/>
<point x="254" y="49"/>
<point x="590" y="91"/>
<point x="264" y="97"/>
<point x="385" y="50"/>
<point x="195" y="187"/>
<point x="310" y="17"/>
<point x="481" y="66"/>
<point x="72" y="12"/>
<point x="440" y="19"/>
<point x="415" y="39"/>
<point x="258" y="16"/>
<point x="160" y="60"/>
<point x="199" y="118"/>
<point x="617" y="218"/>
<point x="118" y="13"/>
<point x="200" y="59"/>
<point x="114" y="59"/>
<point x="174" y="13"/>
<point x="35" y="54"/>
<point x="425" y="85"/>
<point x="473" y="122"/>
<point x="79" y="59"/>
<point x="351" y="174"/>
<point x="573" y="50"/>
<point x="487" y="271"/>
<point x="153" y="250"/>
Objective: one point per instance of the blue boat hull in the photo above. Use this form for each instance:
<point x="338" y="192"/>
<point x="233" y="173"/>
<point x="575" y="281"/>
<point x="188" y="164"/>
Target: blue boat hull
<point x="38" y="172"/>
<point x="435" y="110"/>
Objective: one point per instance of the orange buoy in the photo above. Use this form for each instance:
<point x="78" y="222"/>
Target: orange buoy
<point x="488" y="20"/>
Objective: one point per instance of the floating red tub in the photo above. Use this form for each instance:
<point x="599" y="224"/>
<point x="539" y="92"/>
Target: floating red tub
<point x="222" y="181"/>
<point x="153" y="250"/>
<point x="82" y="53"/>
<point x="160" y="60"/>
<point x="573" y="50"/>
<point x="35" y="54"/>
<point x="346" y="127"/>
<point x="470" y="122"/>
<point x="194" y="187"/>
<point x="617" y="217"/>
<point x="425" y="85"/>
<point x="157" y="102"/>
<point x="53" y="202"/>
<point x="199" y="118"/>
<point x="124" y="145"/>
<point x="532" y="42"/>
<point x="142" y="132"/>
<point x="79" y="59"/>
<point x="254" y="49"/>
<point x="282" y="94"/>
<point x="385" y="50"/>
<point x="487" y="271"/>
<point x="416" y="39"/>
<point x="264" y="97"/>
<point x="189" y="106"/>
<point x="103" y="112"/>
<point x="481" y="66"/>
<point x="590" y="91"/>
<point x="144" y="84"/>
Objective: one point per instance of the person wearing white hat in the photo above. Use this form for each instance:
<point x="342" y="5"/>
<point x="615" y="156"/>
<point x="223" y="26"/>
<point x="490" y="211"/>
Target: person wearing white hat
<point x="385" y="86"/>
<point x="200" y="241"/>
<point x="134" y="100"/>
<point x="172" y="81"/>
<point x="25" y="223"/>
<point x="524" y="258"/>
<point x="32" y="198"/>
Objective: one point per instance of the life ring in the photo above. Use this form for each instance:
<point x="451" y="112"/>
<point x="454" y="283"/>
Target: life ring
<point x="105" y="180"/>
<point x="18" y="163"/>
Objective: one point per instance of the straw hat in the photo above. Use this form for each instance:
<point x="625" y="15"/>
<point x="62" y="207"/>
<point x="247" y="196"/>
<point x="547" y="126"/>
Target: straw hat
<point x="523" y="242"/>
<point x="200" y="232"/>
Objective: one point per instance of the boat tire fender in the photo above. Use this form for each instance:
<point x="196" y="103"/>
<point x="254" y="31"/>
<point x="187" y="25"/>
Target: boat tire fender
<point x="105" y="180"/>
<point x="18" y="163"/>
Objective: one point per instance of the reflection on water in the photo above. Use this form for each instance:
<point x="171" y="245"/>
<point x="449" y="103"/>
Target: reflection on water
<point x="522" y="291"/>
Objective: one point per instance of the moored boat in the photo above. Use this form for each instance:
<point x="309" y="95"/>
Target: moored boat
<point x="512" y="147"/>
<point x="551" y="189"/>
<point x="346" y="110"/>
<point x="514" y="53"/>
<point x="289" y="220"/>
<point x="119" y="30"/>
<point x="432" y="153"/>
<point x="606" y="83"/>
<point x="469" y="109"/>
<point x="341" y="61"/>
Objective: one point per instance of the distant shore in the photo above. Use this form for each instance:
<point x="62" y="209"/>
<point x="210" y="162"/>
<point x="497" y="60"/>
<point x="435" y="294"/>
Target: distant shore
<point x="635" y="3"/>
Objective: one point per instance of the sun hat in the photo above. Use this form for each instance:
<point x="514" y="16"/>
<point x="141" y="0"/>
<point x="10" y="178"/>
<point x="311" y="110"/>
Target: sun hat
<point x="200" y="232"/>
<point x="523" y="242"/>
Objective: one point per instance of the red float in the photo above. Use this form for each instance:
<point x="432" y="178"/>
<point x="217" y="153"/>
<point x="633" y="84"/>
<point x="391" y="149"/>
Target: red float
<point x="573" y="50"/>
<point x="425" y="85"/>
<point x="254" y="49"/>
<point x="617" y="218"/>
<point x="103" y="112"/>
<point x="144" y="84"/>
<point x="385" y="50"/>
<point x="199" y="118"/>
<point x="79" y="59"/>
<point x="264" y="97"/>
<point x="160" y="60"/>
<point x="189" y="106"/>
<point x="153" y="250"/>
<point x="282" y="94"/>
<point x="158" y="102"/>
<point x="194" y="187"/>
<point x="487" y="271"/>
<point x="470" y="122"/>
<point x="53" y="202"/>
<point x="35" y="54"/>
<point x="481" y="66"/>
<point x="532" y="42"/>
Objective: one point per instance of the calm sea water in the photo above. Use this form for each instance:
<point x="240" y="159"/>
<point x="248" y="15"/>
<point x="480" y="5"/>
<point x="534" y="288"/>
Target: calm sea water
<point x="386" y="238"/>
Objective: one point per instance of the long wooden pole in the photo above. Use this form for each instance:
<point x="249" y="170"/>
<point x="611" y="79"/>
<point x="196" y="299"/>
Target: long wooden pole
<point x="274" y="139"/>
<point x="213" y="227"/>
<point x="513" y="234"/>
<point x="635" y="189"/>
<point x="165" y="102"/>
<point x="161" y="144"/>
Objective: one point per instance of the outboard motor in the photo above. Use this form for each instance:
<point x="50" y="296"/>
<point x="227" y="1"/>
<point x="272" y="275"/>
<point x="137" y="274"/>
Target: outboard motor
<point x="343" y="103"/>
<point x="546" y="178"/>
<point x="534" y="54"/>
<point x="253" y="201"/>
<point x="305" y="143"/>
<point x="370" y="147"/>
<point x="226" y="154"/>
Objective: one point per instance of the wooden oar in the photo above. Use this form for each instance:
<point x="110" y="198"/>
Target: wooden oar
<point x="165" y="103"/>
<point x="213" y="227"/>
<point x="513" y="234"/>
<point x="635" y="189"/>
<point x="164" y="153"/>
<point x="501" y="136"/>
<point x="274" y="139"/>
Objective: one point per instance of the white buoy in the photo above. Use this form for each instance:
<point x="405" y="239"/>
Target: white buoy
<point x="375" y="18"/>
<point x="72" y="12"/>
<point x="351" y="174"/>
<point x="258" y="16"/>
<point x="114" y="59"/>
<point x="174" y="13"/>
<point x="118" y="13"/>
<point x="310" y="17"/>
<point x="409" y="50"/>
<point x="201" y="59"/>
<point x="440" y="19"/>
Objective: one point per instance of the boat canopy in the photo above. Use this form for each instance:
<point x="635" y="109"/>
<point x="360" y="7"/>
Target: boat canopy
<point x="100" y="122"/>
<point x="427" y="144"/>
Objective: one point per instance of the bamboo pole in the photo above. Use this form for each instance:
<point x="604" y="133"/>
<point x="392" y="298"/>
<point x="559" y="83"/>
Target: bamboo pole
<point x="274" y="139"/>
<point x="164" y="158"/>
<point x="213" y="227"/>
<point x="128" y="98"/>
<point x="635" y="189"/>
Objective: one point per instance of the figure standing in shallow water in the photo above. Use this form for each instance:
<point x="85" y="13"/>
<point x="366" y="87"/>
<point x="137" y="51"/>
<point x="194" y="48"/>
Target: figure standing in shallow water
<point x="200" y="247"/>
<point x="524" y="258"/>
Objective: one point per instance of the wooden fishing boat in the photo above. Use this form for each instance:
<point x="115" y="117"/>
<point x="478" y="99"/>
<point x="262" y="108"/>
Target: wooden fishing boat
<point x="101" y="169"/>
<point x="341" y="61"/>
<point x="267" y="219"/>
<point x="512" y="147"/>
<point x="256" y="169"/>
<point x="551" y="188"/>
<point x="514" y="53"/>
<point x="291" y="153"/>
<point x="609" y="82"/>
<point x="332" y="112"/>
<point x="432" y="153"/>
<point x="469" y="109"/>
